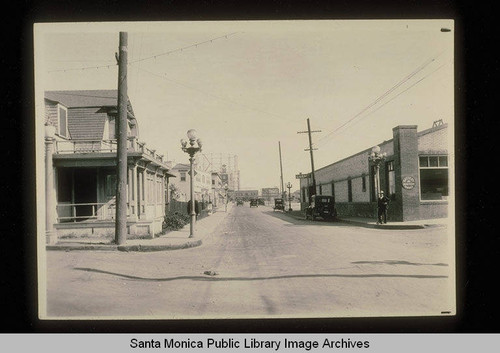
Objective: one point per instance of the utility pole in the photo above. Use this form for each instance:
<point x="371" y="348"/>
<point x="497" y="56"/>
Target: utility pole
<point x="310" y="149"/>
<point x="281" y="170"/>
<point x="121" y="154"/>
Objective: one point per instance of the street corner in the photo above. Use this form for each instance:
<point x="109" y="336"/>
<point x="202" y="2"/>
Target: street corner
<point x="159" y="247"/>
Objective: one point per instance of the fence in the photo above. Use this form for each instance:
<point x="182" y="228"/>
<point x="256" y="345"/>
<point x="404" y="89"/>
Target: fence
<point x="181" y="207"/>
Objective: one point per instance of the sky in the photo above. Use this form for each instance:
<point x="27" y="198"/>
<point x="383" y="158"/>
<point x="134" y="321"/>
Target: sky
<point x="248" y="86"/>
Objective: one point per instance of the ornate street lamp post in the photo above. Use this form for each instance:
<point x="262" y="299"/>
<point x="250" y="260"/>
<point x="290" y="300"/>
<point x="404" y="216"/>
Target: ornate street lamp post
<point x="289" y="186"/>
<point x="191" y="149"/>
<point x="376" y="158"/>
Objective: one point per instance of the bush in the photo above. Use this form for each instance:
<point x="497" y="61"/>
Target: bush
<point x="175" y="221"/>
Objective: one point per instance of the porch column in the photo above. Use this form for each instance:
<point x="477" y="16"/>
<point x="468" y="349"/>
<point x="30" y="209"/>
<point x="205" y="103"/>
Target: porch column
<point x="140" y="194"/>
<point x="50" y="201"/>
<point x="133" y="182"/>
<point x="155" y="193"/>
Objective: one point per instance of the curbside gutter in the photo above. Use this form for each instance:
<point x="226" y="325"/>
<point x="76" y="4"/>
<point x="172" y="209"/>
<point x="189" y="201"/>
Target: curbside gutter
<point x="145" y="248"/>
<point x="126" y="248"/>
<point x="391" y="226"/>
<point x="383" y="226"/>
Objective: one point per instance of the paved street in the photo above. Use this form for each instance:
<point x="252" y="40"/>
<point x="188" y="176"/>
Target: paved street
<point x="262" y="264"/>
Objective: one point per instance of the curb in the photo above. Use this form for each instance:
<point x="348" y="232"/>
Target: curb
<point x="384" y="226"/>
<point x="146" y="248"/>
<point x="393" y="226"/>
<point x="127" y="248"/>
<point x="379" y="226"/>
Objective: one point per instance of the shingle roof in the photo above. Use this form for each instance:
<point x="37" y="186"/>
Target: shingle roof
<point x="85" y="98"/>
<point x="86" y="123"/>
<point x="181" y="166"/>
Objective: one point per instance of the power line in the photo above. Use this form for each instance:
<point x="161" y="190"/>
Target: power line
<point x="385" y="94"/>
<point x="147" y="58"/>
<point x="400" y="93"/>
<point x="183" y="48"/>
<point x="295" y="160"/>
<point x="218" y="97"/>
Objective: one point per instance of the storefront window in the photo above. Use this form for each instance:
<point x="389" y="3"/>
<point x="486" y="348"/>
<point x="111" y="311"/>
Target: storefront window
<point x="433" y="177"/>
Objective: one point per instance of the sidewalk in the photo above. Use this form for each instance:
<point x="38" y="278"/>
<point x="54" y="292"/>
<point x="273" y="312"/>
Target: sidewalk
<point x="372" y="223"/>
<point x="173" y="240"/>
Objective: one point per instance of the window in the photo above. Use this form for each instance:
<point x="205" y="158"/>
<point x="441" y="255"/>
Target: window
<point x="64" y="184"/>
<point x="320" y="190"/>
<point x="158" y="191"/>
<point x="183" y="176"/>
<point x="349" y="190"/>
<point x="390" y="180"/>
<point x="363" y="181"/>
<point x="112" y="128"/>
<point x="151" y="188"/>
<point x="63" y="122"/>
<point x="433" y="177"/>
<point x="110" y="185"/>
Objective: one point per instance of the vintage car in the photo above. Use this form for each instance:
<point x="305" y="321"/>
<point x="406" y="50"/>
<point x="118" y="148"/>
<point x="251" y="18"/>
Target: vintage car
<point x="322" y="207"/>
<point x="254" y="203"/>
<point x="239" y="202"/>
<point x="261" y="202"/>
<point x="279" y="204"/>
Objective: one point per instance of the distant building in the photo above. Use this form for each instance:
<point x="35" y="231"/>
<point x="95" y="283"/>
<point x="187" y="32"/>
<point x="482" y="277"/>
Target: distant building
<point x="245" y="194"/>
<point x="226" y="165"/>
<point x="218" y="191"/>
<point x="202" y="184"/>
<point x="414" y="175"/>
<point x="270" y="194"/>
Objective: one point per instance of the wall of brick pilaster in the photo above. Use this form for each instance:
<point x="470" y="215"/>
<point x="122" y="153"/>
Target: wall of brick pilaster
<point x="403" y="150"/>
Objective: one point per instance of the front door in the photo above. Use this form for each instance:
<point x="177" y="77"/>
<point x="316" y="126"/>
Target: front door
<point x="85" y="191"/>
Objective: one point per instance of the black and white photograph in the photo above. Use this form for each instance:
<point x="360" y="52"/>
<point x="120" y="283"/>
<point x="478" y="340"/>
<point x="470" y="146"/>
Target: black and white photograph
<point x="260" y="169"/>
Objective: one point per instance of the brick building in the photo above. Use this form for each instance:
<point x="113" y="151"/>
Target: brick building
<point x="414" y="175"/>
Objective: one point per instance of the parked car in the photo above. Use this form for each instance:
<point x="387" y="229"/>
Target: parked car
<point x="322" y="207"/>
<point x="261" y="202"/>
<point x="254" y="203"/>
<point x="279" y="204"/>
<point x="239" y="202"/>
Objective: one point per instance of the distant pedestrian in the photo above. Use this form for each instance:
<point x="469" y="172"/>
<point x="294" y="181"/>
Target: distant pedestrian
<point x="383" y="205"/>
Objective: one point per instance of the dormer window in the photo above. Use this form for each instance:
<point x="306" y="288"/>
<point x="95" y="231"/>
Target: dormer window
<point x="63" y="121"/>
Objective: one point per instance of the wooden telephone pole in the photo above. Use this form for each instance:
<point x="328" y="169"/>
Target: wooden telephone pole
<point x="310" y="149"/>
<point x="281" y="170"/>
<point x="121" y="170"/>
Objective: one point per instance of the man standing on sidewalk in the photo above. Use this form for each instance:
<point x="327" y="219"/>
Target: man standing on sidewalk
<point x="383" y="205"/>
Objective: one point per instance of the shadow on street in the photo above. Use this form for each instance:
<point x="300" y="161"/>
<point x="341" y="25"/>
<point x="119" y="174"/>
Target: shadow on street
<point x="394" y="262"/>
<point x="222" y="279"/>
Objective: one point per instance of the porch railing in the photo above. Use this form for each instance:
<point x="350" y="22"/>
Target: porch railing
<point x="75" y="212"/>
<point x="104" y="146"/>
